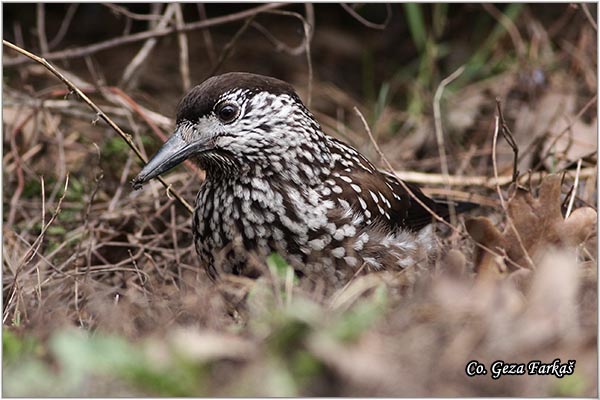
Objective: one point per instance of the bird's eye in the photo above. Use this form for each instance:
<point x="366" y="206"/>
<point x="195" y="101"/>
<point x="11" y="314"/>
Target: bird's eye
<point x="227" y="112"/>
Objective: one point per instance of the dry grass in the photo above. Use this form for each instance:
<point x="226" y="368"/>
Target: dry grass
<point x="103" y="296"/>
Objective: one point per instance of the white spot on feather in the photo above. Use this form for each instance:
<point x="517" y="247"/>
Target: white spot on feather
<point x="351" y="261"/>
<point x="338" y="252"/>
<point x="363" y="204"/>
<point x="374" y="196"/>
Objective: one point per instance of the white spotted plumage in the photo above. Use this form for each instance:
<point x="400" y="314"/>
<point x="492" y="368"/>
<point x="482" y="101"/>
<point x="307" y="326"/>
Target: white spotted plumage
<point x="276" y="183"/>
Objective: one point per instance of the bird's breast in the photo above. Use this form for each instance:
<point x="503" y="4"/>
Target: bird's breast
<point x="315" y="234"/>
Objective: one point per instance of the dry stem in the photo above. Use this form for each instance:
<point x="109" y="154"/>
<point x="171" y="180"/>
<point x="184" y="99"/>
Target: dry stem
<point x="120" y="41"/>
<point x="439" y="133"/>
<point x="98" y="111"/>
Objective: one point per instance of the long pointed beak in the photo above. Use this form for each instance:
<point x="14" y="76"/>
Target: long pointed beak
<point x="172" y="153"/>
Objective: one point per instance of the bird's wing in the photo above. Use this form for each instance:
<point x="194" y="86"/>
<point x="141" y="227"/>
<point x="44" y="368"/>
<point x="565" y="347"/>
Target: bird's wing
<point x="376" y="195"/>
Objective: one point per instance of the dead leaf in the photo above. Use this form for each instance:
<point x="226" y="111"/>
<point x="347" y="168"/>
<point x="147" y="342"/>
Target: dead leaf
<point x="534" y="225"/>
<point x="455" y="263"/>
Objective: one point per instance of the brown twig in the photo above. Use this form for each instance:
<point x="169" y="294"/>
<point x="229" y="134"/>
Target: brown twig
<point x="478" y="180"/>
<point x="391" y="169"/>
<point x="280" y="45"/>
<point x="64" y="26"/>
<point x="33" y="249"/>
<point x="566" y="129"/>
<point x="510" y="27"/>
<point x="61" y="165"/>
<point x="494" y="163"/>
<point x="174" y="234"/>
<point x="558" y="25"/>
<point x="509" y="220"/>
<point x="136" y="16"/>
<point x="97" y="110"/>
<point x="128" y="78"/>
<point x="37" y="270"/>
<point x="367" y="23"/>
<point x="136" y="37"/>
<point x="18" y="32"/>
<point x="333" y="302"/>
<point x="589" y="17"/>
<point x="184" y="62"/>
<point x="86" y="217"/>
<point x="575" y="185"/>
<point x="14" y="200"/>
<point x="508" y="136"/>
<point x="460" y="195"/>
<point x="306" y="45"/>
<point x="41" y="27"/>
<point x="206" y="35"/>
<point x="439" y="133"/>
<point x="122" y="180"/>
<point x="229" y="47"/>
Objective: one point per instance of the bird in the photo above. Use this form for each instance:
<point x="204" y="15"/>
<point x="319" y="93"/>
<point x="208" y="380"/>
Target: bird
<point x="276" y="183"/>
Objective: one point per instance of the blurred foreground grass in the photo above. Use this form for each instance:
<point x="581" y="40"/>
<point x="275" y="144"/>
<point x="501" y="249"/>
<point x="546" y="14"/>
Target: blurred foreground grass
<point x="187" y="361"/>
<point x="369" y="340"/>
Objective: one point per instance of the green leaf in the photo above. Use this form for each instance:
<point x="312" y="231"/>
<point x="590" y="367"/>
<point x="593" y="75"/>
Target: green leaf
<point x="416" y="25"/>
<point x="354" y="322"/>
<point x="277" y="265"/>
<point x="15" y="348"/>
<point x="440" y="16"/>
<point x="569" y="386"/>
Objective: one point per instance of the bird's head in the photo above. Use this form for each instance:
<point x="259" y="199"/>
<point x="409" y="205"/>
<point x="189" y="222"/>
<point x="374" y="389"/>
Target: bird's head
<point x="235" y="121"/>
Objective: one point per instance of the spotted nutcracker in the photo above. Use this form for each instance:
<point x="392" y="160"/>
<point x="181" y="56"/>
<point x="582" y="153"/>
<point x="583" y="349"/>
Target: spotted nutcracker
<point x="276" y="183"/>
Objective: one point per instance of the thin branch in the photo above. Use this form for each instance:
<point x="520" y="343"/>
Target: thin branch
<point x="333" y="303"/>
<point x="39" y="286"/>
<point x="99" y="113"/>
<point x="33" y="249"/>
<point x="124" y="174"/>
<point x="478" y="180"/>
<point x="280" y="45"/>
<point x="60" y="165"/>
<point x="14" y="201"/>
<point x="228" y="48"/>
<point x="494" y="163"/>
<point x="508" y="136"/>
<point x="510" y="27"/>
<point x="18" y="32"/>
<point x="309" y="10"/>
<point x="64" y="26"/>
<point x="367" y="23"/>
<point x="575" y="185"/>
<point x="566" y="129"/>
<point x="123" y="40"/>
<point x="588" y="15"/>
<point x="184" y="62"/>
<point x="439" y="133"/>
<point x="138" y="60"/>
<point x="125" y="12"/>
<point x="41" y="27"/>
<point x="308" y="31"/>
<point x="208" y="41"/>
<point x="389" y="166"/>
<point x="502" y="202"/>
